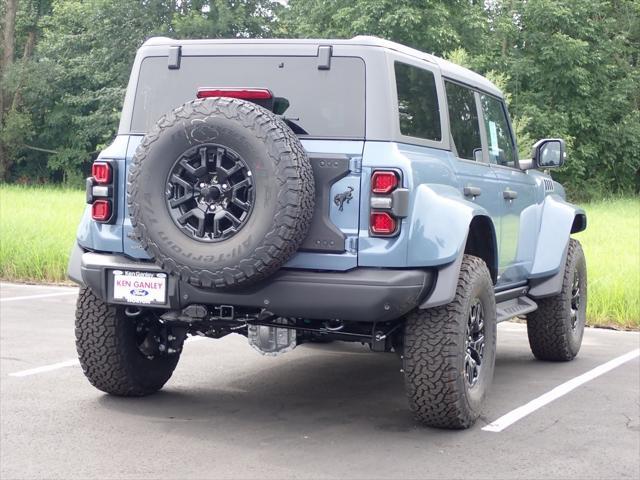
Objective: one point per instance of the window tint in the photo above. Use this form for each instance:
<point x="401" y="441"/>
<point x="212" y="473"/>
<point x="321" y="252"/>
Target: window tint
<point x="501" y="147"/>
<point x="322" y="103"/>
<point x="417" y="102"/>
<point x="463" y="117"/>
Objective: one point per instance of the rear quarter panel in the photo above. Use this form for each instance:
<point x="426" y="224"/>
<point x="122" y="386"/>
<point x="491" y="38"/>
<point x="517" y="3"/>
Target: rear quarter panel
<point x="107" y="237"/>
<point x="434" y="232"/>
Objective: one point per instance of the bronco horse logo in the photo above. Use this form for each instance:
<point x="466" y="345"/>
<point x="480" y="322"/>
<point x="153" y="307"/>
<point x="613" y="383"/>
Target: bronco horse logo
<point x="343" y="197"/>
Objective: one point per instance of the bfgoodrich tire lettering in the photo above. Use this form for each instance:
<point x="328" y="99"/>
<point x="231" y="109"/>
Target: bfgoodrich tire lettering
<point x="556" y="328"/>
<point x="435" y="348"/>
<point x="283" y="191"/>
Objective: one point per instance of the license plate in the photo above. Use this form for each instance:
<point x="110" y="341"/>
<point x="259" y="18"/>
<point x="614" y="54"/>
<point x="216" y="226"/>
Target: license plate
<point x="144" y="288"/>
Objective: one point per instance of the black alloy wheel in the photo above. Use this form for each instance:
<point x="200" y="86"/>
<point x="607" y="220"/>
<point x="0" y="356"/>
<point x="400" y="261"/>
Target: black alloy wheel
<point x="210" y="193"/>
<point x="575" y="300"/>
<point x="474" y="343"/>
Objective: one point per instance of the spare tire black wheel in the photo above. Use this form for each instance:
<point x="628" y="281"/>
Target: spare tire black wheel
<point x="220" y="192"/>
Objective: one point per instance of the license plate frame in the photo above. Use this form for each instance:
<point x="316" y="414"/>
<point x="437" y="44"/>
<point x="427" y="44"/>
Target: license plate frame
<point x="139" y="287"/>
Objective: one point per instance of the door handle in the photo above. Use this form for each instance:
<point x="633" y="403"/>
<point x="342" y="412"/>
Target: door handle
<point x="472" y="191"/>
<point x="509" y="194"/>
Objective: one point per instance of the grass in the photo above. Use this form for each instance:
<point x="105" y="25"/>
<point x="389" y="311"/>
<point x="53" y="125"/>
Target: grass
<point x="38" y="225"/>
<point x="37" y="229"/>
<point x="611" y="244"/>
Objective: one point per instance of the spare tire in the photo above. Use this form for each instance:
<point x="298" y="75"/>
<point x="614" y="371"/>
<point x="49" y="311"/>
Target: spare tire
<point x="220" y="192"/>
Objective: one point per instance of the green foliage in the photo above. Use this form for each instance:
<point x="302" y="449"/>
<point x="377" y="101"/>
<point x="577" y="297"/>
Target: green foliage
<point x="569" y="68"/>
<point x="17" y="130"/>
<point x="222" y="18"/>
<point x="430" y="25"/>
<point x="574" y="70"/>
<point x="75" y="83"/>
<point x="72" y="88"/>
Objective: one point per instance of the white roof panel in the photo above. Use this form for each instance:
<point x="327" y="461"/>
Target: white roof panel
<point x="448" y="69"/>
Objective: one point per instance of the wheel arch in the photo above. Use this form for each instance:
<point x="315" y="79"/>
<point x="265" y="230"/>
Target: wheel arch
<point x="479" y="227"/>
<point x="482" y="243"/>
<point x="559" y="220"/>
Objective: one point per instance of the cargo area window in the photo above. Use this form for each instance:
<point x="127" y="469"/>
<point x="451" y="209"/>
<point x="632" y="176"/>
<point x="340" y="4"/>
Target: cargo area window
<point x="464" y="123"/>
<point x="418" y="107"/>
<point x="321" y="103"/>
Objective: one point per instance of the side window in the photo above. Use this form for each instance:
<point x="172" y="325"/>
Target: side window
<point x="418" y="107"/>
<point x="501" y="145"/>
<point x="463" y="118"/>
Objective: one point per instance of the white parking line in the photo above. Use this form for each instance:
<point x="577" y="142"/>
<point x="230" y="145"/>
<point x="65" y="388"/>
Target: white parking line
<point x="46" y="368"/>
<point x="521" y="412"/>
<point x="68" y="363"/>
<point x="42" y="295"/>
<point x="31" y="286"/>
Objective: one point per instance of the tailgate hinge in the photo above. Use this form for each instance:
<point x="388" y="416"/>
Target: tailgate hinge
<point x="324" y="57"/>
<point x="351" y="244"/>
<point x="355" y="164"/>
<point x="173" y="60"/>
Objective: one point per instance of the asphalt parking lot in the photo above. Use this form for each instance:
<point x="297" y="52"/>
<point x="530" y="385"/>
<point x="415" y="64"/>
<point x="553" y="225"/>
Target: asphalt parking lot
<point x="335" y="411"/>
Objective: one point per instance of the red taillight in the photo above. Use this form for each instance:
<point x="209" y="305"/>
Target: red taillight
<point x="241" y="93"/>
<point x="385" y="201"/>
<point x="384" y="181"/>
<point x="383" y="223"/>
<point x="101" y="210"/>
<point x="101" y="189"/>
<point x="101" y="172"/>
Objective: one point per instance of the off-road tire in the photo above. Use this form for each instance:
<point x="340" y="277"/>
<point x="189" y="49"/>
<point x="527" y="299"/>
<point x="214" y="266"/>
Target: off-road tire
<point x="109" y="356"/>
<point x="284" y="193"/>
<point x="551" y="334"/>
<point x="434" y="351"/>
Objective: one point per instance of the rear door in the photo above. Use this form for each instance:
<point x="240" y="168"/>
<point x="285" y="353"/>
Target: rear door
<point x="478" y="181"/>
<point x="517" y="194"/>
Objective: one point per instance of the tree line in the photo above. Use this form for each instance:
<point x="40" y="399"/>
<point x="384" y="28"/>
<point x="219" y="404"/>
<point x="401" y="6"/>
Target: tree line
<point x="569" y="69"/>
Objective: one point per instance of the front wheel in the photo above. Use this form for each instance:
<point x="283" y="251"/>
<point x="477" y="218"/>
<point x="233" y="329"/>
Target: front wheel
<point x="449" y="352"/>
<point x="126" y="355"/>
<point x="555" y="329"/>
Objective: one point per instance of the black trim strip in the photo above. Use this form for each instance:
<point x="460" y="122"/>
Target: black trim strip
<point x="504" y="295"/>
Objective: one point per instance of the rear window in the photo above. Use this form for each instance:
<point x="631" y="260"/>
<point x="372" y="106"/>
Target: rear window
<point x="418" y="107"/>
<point x="322" y="103"/>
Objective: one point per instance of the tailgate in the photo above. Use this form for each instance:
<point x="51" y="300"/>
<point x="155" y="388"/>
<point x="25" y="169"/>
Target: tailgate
<point x="332" y="241"/>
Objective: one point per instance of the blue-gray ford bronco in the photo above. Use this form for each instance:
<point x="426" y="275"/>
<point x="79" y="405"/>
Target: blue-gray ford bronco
<point x="297" y="191"/>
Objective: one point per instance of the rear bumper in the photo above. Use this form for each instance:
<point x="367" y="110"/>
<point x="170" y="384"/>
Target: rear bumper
<point x="361" y="294"/>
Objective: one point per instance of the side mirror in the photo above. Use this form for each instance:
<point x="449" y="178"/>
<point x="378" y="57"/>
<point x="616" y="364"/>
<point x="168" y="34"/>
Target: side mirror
<point x="549" y="153"/>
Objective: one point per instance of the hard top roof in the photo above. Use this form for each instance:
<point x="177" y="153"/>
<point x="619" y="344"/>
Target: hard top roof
<point x="448" y="69"/>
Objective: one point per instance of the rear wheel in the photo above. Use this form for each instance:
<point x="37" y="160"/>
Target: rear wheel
<point x="127" y="355"/>
<point x="449" y="352"/>
<point x="556" y="328"/>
